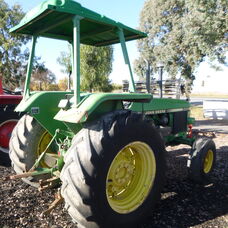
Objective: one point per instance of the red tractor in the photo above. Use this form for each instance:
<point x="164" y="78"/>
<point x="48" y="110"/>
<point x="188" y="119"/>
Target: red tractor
<point x="8" y="119"/>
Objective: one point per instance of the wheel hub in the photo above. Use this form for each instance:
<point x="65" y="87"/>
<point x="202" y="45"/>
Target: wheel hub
<point x="48" y="160"/>
<point x="123" y="174"/>
<point x="130" y="177"/>
<point x="208" y="161"/>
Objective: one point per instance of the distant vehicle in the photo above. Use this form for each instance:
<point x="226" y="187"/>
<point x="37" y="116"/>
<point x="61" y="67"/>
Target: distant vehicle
<point x="215" y="109"/>
<point x="8" y="119"/>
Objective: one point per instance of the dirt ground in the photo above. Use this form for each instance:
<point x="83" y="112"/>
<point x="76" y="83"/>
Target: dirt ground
<point x="183" y="204"/>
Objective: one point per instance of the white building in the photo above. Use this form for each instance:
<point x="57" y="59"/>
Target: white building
<point x="210" y="81"/>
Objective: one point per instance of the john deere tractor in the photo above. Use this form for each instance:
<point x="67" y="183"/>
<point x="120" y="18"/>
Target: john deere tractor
<point x="106" y="151"/>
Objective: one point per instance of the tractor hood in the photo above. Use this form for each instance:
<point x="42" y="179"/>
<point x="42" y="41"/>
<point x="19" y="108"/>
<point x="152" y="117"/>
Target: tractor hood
<point x="53" y="19"/>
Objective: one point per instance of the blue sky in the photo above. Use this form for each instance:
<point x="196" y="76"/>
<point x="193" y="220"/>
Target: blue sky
<point x="123" y="11"/>
<point x="127" y="12"/>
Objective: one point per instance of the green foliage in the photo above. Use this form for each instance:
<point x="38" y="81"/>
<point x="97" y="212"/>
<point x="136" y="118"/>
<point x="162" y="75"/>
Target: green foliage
<point x="117" y="86"/>
<point x="96" y="65"/>
<point x="140" y="67"/>
<point x="65" y="61"/>
<point x="13" y="54"/>
<point x="12" y="58"/>
<point x="181" y="33"/>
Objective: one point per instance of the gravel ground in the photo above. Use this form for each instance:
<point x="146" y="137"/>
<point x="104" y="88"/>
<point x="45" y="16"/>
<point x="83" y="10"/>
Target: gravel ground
<point x="183" y="203"/>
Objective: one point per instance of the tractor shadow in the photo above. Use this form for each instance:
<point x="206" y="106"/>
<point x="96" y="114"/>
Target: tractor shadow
<point x="185" y="204"/>
<point x="212" y="125"/>
<point x="5" y="160"/>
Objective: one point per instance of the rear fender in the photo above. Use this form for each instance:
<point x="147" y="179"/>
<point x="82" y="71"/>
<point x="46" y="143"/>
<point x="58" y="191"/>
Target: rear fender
<point x="95" y="105"/>
<point x="43" y="106"/>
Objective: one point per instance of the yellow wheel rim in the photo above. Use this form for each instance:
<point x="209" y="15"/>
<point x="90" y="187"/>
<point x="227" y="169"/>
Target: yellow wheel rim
<point x="208" y="161"/>
<point x="48" y="161"/>
<point x="130" y="177"/>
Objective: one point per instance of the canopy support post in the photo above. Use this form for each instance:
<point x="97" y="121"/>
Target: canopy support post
<point x="76" y="59"/>
<point x="126" y="59"/>
<point x="29" y="68"/>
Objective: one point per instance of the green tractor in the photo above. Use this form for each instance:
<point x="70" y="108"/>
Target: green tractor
<point x="106" y="151"/>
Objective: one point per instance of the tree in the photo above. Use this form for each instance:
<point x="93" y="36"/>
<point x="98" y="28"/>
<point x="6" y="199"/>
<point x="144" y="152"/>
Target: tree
<point x="42" y="78"/>
<point x="63" y="83"/>
<point x="14" y="54"/>
<point x="96" y="65"/>
<point x="65" y="61"/>
<point x="182" y="33"/>
<point x="140" y="68"/>
<point x="12" y="59"/>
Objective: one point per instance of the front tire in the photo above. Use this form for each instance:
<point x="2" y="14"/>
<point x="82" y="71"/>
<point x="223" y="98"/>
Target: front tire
<point x="202" y="160"/>
<point x="113" y="172"/>
<point x="29" y="139"/>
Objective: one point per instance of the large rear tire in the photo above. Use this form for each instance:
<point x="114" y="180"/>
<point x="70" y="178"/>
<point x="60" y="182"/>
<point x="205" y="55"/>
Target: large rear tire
<point x="29" y="139"/>
<point x="114" y="171"/>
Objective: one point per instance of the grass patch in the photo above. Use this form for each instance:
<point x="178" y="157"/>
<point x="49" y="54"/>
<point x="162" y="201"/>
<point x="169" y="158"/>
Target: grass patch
<point x="197" y="112"/>
<point x="209" y="95"/>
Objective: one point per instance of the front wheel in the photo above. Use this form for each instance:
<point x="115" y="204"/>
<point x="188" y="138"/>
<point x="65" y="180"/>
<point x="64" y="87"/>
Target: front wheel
<point x="113" y="172"/>
<point x="202" y="160"/>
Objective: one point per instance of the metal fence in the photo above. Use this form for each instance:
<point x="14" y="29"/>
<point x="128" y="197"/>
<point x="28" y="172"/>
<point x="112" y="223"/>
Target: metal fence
<point x="173" y="88"/>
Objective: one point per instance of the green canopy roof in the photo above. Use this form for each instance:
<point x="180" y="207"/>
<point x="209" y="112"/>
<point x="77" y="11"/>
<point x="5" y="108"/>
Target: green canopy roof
<point x="53" y="18"/>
